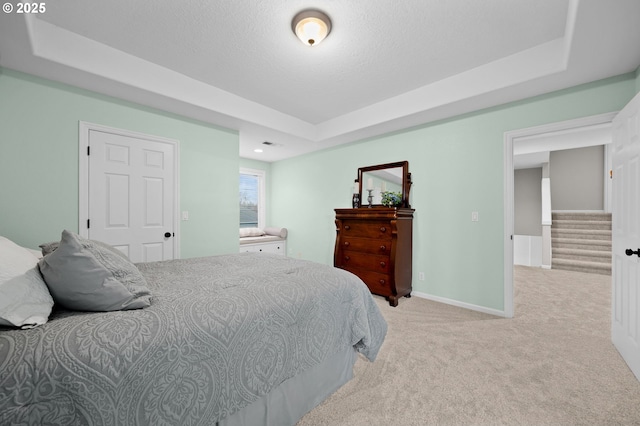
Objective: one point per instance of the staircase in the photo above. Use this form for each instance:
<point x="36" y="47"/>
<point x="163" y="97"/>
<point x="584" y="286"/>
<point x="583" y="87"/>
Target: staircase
<point x="581" y="242"/>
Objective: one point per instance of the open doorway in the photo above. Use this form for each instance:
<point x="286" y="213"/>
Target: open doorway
<point x="588" y="131"/>
<point x="561" y="219"/>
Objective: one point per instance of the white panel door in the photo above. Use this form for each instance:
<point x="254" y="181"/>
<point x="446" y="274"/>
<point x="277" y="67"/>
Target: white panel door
<point x="625" y="298"/>
<point x="131" y="195"/>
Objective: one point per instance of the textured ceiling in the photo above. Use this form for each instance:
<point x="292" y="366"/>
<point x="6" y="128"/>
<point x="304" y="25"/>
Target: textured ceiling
<point x="376" y="50"/>
<point x="386" y="64"/>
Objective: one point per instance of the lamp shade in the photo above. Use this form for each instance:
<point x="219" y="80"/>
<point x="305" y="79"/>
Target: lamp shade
<point x="311" y="26"/>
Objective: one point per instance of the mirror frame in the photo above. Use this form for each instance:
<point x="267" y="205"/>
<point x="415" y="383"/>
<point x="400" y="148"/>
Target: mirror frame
<point x="406" y="182"/>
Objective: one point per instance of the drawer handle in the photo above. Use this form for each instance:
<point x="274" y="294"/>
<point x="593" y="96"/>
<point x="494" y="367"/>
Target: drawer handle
<point x="347" y="227"/>
<point x="346" y="243"/>
<point x="347" y="258"/>
<point x="383" y="264"/>
<point x="382" y="282"/>
<point x="383" y="248"/>
<point x="383" y="229"/>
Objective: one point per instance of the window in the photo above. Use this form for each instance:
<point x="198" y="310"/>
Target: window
<point x="252" y="198"/>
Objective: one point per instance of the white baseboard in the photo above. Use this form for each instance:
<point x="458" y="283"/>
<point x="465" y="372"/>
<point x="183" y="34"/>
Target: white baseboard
<point x="546" y="266"/>
<point x="459" y="304"/>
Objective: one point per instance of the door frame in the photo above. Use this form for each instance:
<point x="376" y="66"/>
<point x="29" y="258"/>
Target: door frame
<point x="510" y="138"/>
<point x="83" y="175"/>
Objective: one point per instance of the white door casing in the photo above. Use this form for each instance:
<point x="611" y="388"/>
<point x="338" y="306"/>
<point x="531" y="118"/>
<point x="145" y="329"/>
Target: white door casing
<point x="128" y="192"/>
<point x="625" y="274"/>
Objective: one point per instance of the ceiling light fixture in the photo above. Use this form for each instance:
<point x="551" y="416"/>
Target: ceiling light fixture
<point x="311" y="26"/>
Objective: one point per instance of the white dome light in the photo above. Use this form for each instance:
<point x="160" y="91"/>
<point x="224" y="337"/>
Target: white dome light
<point x="311" y="26"/>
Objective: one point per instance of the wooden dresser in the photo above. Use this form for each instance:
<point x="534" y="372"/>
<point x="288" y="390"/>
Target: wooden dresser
<point x="376" y="245"/>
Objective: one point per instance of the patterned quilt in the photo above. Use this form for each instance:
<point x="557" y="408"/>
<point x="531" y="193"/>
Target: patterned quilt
<point x="220" y="332"/>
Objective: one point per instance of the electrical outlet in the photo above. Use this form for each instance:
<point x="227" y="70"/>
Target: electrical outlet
<point x="421" y="276"/>
<point x="474" y="216"/>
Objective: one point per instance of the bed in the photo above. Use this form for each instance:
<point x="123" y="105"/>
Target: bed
<point x="226" y="340"/>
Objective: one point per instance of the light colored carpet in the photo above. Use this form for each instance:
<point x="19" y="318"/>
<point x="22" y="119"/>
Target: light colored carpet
<point x="553" y="364"/>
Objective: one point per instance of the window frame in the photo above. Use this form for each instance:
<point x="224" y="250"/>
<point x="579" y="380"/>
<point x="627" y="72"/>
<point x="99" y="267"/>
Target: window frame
<point x="262" y="193"/>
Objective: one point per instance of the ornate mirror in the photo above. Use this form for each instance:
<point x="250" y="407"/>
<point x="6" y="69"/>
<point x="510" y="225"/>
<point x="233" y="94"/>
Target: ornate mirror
<point x="373" y="181"/>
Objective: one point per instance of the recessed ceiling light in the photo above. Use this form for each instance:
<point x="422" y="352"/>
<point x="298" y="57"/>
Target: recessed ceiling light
<point x="257" y="150"/>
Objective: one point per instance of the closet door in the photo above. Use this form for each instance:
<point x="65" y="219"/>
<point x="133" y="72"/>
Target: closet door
<point x="131" y="194"/>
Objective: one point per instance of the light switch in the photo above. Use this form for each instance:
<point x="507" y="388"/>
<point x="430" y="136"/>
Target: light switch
<point x="474" y="216"/>
<point x="185" y="215"/>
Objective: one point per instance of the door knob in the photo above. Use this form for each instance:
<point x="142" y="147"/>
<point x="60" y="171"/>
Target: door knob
<point x="630" y="252"/>
<point x="167" y="234"/>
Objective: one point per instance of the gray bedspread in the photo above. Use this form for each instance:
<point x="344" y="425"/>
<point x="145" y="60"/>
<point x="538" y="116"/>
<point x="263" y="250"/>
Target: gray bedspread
<point x="220" y="332"/>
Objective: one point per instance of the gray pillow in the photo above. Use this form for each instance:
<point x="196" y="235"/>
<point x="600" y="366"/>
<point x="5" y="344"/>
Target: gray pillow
<point x="86" y="276"/>
<point x="48" y="248"/>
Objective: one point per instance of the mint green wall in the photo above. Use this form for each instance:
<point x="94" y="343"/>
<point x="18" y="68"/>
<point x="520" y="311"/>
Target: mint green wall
<point x="457" y="167"/>
<point x="39" y="163"/>
<point x="638" y="80"/>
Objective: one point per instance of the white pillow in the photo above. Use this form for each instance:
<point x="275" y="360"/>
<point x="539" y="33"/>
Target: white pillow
<point x="36" y="253"/>
<point x="278" y="232"/>
<point x="251" y="232"/>
<point x="24" y="297"/>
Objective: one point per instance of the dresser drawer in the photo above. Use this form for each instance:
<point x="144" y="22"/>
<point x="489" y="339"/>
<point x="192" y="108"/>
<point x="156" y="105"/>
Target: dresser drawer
<point x="367" y="228"/>
<point x="377" y="283"/>
<point x="366" y="245"/>
<point x="371" y="262"/>
<point x="368" y="240"/>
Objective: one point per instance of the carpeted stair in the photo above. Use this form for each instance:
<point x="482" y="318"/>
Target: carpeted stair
<point x="581" y="242"/>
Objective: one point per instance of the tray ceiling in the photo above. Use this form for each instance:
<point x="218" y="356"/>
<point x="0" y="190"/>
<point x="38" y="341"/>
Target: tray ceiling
<point x="385" y="66"/>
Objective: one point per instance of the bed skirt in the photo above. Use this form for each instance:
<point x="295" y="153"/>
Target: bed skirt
<point x="295" y="397"/>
